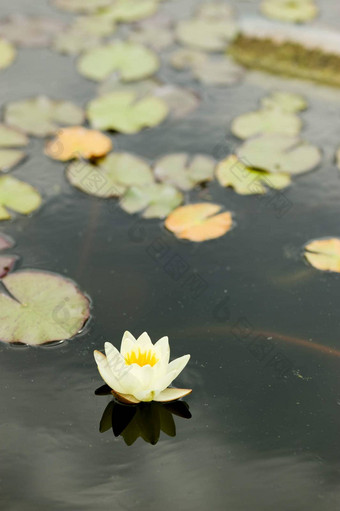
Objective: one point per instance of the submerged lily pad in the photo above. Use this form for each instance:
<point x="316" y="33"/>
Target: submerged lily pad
<point x="7" y="53"/>
<point x="131" y="61"/>
<point x="279" y="153"/>
<point x="324" y="254"/>
<point x="17" y="196"/>
<point x="130" y="10"/>
<point x="155" y="201"/>
<point x="42" y="116"/>
<point x="247" y="181"/>
<point x="122" y="111"/>
<point x="45" y="307"/>
<point x="199" y="222"/>
<point x="29" y="31"/>
<point x="78" y="142"/>
<point x="112" y="176"/>
<point x="206" y="34"/>
<point x="184" y="171"/>
<point x="286" y="101"/>
<point x="295" y="11"/>
<point x="266" y="121"/>
<point x="7" y="263"/>
<point x="88" y="6"/>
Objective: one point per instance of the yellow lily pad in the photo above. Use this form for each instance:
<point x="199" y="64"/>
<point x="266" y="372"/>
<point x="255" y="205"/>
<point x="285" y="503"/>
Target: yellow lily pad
<point x="294" y="11"/>
<point x="17" y="196"/>
<point x="199" y="222"/>
<point x="266" y="121"/>
<point x="78" y="142"/>
<point x="7" y="53"/>
<point x="324" y="254"/>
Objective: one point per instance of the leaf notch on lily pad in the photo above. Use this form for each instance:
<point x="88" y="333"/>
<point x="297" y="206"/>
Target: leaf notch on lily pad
<point x="11" y="138"/>
<point x="324" y="254"/>
<point x="41" y="307"/>
<point x="77" y="142"/>
<point x="155" y="200"/>
<point x="266" y="121"/>
<point x="18" y="196"/>
<point x="183" y="171"/>
<point x="199" y="222"/>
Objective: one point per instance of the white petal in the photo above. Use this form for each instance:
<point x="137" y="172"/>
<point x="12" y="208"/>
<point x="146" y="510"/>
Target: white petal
<point x="122" y="371"/>
<point x="165" y="381"/>
<point x="145" y="375"/>
<point x="106" y="373"/>
<point x="163" y="349"/>
<point x="171" y="394"/>
<point x="144" y="342"/>
<point x="178" y="364"/>
<point x="114" y="358"/>
<point x="128" y="343"/>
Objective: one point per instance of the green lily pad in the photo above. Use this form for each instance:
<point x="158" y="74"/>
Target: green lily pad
<point x="11" y="137"/>
<point x="17" y="196"/>
<point x="122" y="111"/>
<point x="42" y="116"/>
<point x="279" y="153"/>
<point x="7" y="263"/>
<point x="155" y="201"/>
<point x="7" y="53"/>
<point x="130" y="10"/>
<point x="95" y="25"/>
<point x="74" y="42"/>
<point x="29" y="31"/>
<point x="286" y="101"/>
<point x="9" y="158"/>
<point x="247" y="181"/>
<point x="294" y="11"/>
<point x="113" y="175"/>
<point x="88" y="6"/>
<point x="205" y="34"/>
<point x="45" y="307"/>
<point x="130" y="60"/>
<point x="6" y="242"/>
<point x="266" y="121"/>
<point x="184" y="172"/>
<point x="215" y="11"/>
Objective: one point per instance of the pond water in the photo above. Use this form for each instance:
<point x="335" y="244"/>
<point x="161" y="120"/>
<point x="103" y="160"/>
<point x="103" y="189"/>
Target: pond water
<point x="264" y="432"/>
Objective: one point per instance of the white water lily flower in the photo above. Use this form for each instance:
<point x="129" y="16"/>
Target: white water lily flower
<point x="141" y="370"/>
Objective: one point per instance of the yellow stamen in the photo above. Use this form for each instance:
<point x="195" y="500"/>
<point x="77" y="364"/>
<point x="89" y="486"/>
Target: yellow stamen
<point x="141" y="358"/>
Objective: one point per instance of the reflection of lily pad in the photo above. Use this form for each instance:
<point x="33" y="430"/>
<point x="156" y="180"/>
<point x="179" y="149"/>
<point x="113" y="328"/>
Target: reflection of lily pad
<point x="205" y="34"/>
<point x="295" y="11"/>
<point x="183" y="171"/>
<point x="279" y="153"/>
<point x="46" y="308"/>
<point x="130" y="60"/>
<point x="266" y="121"/>
<point x="7" y="53"/>
<point x="155" y="200"/>
<point x="78" y="142"/>
<point x="17" y="196"/>
<point x="27" y="31"/>
<point x="324" y="254"/>
<point x="287" y="101"/>
<point x="42" y="116"/>
<point x="199" y="222"/>
<point x="247" y="181"/>
<point x="82" y="5"/>
<point x="113" y="175"/>
<point x="7" y="263"/>
<point x="130" y="10"/>
<point x="122" y="111"/>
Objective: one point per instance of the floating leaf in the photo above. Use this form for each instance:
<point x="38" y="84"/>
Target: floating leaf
<point x="266" y="121"/>
<point x="156" y="38"/>
<point x="10" y="137"/>
<point x="205" y="34"/>
<point x="247" y="181"/>
<point x="156" y="200"/>
<point x="87" y="6"/>
<point x="199" y="222"/>
<point x="29" y="31"/>
<point x="295" y="11"/>
<point x="215" y="11"/>
<point x="7" y="54"/>
<point x="130" y="10"/>
<point x="5" y="242"/>
<point x="17" y="196"/>
<point x="279" y="153"/>
<point x="324" y="254"/>
<point x="73" y="42"/>
<point x="130" y="60"/>
<point x="122" y="111"/>
<point x="287" y="101"/>
<point x="78" y="142"/>
<point x="45" y="307"/>
<point x="7" y="263"/>
<point x="95" y="25"/>
<point x="113" y="175"/>
<point x="183" y="171"/>
<point x="187" y="58"/>
<point x="9" y="158"/>
<point x="42" y="116"/>
<point x="218" y="71"/>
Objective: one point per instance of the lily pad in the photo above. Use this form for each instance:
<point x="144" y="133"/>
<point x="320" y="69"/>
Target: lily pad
<point x="9" y="158"/>
<point x="10" y="137"/>
<point x="130" y="60"/>
<point x="17" y="196"/>
<point x="45" y="307"/>
<point x="95" y="25"/>
<point x="155" y="201"/>
<point x="157" y="38"/>
<point x="266" y="121"/>
<point x="247" y="181"/>
<point x="7" y="263"/>
<point x="7" y="53"/>
<point x="183" y="171"/>
<point x="6" y="242"/>
<point x="42" y="116"/>
<point x="199" y="222"/>
<point x="112" y="177"/>
<point x="130" y="10"/>
<point x="78" y="142"/>
<point x="279" y="153"/>
<point x="187" y="58"/>
<point x="286" y="101"/>
<point x="122" y="111"/>
<point x="205" y="34"/>
<point x="294" y="11"/>
<point x="215" y="10"/>
<point x="29" y="31"/>
<point x="74" y="42"/>
<point x="324" y="254"/>
<point x="218" y="71"/>
<point x="88" y="6"/>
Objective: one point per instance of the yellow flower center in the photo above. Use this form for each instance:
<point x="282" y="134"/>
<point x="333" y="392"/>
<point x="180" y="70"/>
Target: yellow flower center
<point x="141" y="358"/>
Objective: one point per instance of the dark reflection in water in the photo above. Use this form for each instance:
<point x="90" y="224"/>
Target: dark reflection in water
<point x="145" y="420"/>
